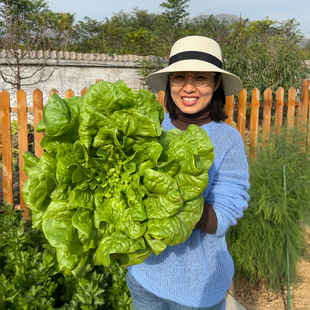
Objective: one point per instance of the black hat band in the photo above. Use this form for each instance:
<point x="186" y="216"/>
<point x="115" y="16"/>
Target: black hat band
<point x="196" y="55"/>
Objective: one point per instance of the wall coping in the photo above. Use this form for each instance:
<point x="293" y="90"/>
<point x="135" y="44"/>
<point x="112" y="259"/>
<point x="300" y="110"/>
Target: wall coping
<point x="56" y="58"/>
<point x="65" y="55"/>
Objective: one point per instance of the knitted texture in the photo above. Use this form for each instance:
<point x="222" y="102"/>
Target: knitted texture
<point x="198" y="272"/>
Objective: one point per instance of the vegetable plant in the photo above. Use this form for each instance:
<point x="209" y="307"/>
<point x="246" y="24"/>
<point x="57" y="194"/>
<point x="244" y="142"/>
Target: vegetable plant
<point x="277" y="211"/>
<point x="30" y="278"/>
<point x="111" y="184"/>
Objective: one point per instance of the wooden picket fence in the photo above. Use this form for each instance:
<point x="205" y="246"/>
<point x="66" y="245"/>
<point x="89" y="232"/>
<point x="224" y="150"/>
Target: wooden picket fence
<point x="297" y="113"/>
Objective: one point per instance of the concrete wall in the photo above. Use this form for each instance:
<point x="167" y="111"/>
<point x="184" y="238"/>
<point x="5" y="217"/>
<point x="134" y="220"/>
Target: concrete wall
<point x="73" y="71"/>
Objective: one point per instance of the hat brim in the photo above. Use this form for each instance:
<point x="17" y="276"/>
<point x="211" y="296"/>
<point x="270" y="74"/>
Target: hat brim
<point x="159" y="79"/>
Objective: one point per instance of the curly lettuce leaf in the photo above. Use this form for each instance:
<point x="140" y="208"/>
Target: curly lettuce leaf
<point x="111" y="184"/>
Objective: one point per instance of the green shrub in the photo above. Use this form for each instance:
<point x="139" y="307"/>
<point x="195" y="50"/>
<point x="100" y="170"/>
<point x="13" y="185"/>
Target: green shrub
<point x="29" y="276"/>
<point x="279" y="203"/>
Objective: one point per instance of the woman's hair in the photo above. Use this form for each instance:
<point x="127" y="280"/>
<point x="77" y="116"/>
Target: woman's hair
<point x="216" y="105"/>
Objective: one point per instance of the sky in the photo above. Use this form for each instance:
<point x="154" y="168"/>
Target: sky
<point x="276" y="10"/>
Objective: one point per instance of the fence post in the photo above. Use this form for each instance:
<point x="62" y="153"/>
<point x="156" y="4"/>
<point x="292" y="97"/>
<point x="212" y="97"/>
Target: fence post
<point x="7" y="171"/>
<point x="69" y="93"/>
<point x="266" y="116"/>
<point x="304" y="91"/>
<point x="37" y="116"/>
<point x="304" y="98"/>
<point x="22" y="144"/>
<point x="160" y="97"/>
<point x="242" y="113"/>
<point x="291" y="108"/>
<point x="304" y="94"/>
<point x="53" y="91"/>
<point x="279" y="109"/>
<point x="1" y="186"/>
<point x="229" y="109"/>
<point x="83" y="91"/>
<point x="254" y="122"/>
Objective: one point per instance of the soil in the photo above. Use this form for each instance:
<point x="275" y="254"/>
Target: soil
<point x="257" y="297"/>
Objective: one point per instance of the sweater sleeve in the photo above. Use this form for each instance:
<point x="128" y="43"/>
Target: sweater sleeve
<point x="227" y="190"/>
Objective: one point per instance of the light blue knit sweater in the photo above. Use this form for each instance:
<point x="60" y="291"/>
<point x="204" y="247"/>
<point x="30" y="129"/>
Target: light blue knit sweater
<point x="198" y="272"/>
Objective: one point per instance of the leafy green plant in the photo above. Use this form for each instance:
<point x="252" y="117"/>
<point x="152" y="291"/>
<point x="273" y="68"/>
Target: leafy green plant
<point x="258" y="243"/>
<point x="30" y="278"/>
<point x="108" y="166"/>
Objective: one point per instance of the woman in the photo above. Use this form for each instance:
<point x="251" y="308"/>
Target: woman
<point x="197" y="273"/>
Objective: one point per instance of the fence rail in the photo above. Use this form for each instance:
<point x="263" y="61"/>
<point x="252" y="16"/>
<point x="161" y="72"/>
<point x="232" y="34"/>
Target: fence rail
<point x="247" y="117"/>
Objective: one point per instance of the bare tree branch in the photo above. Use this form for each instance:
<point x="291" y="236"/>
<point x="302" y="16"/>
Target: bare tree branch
<point x="28" y="29"/>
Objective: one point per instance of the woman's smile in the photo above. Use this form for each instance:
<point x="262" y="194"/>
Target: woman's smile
<point x="189" y="101"/>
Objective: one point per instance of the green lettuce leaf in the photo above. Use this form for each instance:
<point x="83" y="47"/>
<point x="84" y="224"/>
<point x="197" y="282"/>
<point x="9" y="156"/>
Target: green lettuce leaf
<point x="111" y="185"/>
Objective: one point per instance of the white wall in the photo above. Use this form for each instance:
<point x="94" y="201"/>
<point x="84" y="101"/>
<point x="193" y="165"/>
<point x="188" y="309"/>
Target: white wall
<point x="75" y="71"/>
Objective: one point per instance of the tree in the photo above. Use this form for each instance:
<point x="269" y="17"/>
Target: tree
<point x="175" y="11"/>
<point x="307" y="48"/>
<point x="114" y="32"/>
<point x="89" y="36"/>
<point x="125" y="33"/>
<point x="174" y="17"/>
<point x="265" y="54"/>
<point x="209" y="27"/>
<point x="145" y="34"/>
<point x="27" y="26"/>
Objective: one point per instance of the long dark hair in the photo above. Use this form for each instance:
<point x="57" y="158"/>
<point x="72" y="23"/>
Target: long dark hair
<point x="216" y="105"/>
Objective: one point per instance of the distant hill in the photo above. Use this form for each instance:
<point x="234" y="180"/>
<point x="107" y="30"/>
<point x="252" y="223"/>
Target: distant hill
<point x="230" y="18"/>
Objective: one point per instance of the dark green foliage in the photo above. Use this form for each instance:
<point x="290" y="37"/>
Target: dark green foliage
<point x="148" y="65"/>
<point x="262" y="53"/>
<point x="265" y="54"/>
<point x="275" y="214"/>
<point x="29" y="276"/>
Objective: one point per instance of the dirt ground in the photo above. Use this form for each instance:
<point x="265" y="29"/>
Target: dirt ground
<point x="255" y="297"/>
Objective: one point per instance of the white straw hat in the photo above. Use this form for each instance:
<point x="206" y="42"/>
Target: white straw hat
<point x="195" y="53"/>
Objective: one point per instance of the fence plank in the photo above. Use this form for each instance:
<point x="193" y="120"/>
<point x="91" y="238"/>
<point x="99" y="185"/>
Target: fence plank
<point x="83" y="91"/>
<point x="53" y="91"/>
<point x="7" y="171"/>
<point x="229" y="109"/>
<point x="22" y="144"/>
<point x="37" y="116"/>
<point x="69" y="93"/>
<point x="279" y="109"/>
<point x="304" y="91"/>
<point x="1" y="185"/>
<point x="242" y="113"/>
<point x="291" y="108"/>
<point x="304" y="98"/>
<point x="266" y="116"/>
<point x="161" y="98"/>
<point x="254" y="122"/>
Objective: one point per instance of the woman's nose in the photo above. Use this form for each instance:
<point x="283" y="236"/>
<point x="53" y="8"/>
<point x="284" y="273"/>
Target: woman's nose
<point x="189" y="84"/>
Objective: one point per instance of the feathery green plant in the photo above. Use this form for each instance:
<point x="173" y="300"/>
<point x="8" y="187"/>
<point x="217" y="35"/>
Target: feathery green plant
<point x="258" y="243"/>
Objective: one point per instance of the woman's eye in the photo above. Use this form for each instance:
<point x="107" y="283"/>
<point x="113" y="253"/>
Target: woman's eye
<point x="201" y="78"/>
<point x="179" y="77"/>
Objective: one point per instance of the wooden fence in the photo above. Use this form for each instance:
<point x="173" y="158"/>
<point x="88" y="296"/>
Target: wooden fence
<point x="247" y="117"/>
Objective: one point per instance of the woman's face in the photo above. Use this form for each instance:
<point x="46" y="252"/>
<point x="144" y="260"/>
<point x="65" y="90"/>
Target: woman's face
<point x="192" y="91"/>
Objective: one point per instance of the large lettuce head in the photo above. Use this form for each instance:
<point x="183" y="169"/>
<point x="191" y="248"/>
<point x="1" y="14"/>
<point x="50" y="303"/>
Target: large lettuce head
<point x="111" y="184"/>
